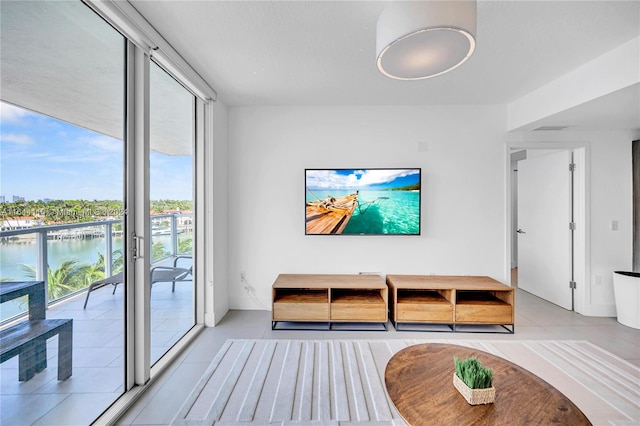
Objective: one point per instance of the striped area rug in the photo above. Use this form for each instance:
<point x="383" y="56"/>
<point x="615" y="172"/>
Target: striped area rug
<point x="341" y="382"/>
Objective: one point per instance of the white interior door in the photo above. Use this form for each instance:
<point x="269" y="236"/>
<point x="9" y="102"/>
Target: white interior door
<point x="544" y="236"/>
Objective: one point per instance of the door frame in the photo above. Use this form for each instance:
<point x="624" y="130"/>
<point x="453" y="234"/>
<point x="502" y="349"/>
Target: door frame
<point x="581" y="251"/>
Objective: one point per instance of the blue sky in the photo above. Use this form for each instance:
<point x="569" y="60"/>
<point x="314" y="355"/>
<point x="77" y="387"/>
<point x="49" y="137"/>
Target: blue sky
<point x="361" y="178"/>
<point x="41" y="157"/>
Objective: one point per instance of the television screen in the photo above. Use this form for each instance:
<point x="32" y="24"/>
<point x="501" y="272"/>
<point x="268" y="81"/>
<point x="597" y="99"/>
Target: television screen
<point x="362" y="201"/>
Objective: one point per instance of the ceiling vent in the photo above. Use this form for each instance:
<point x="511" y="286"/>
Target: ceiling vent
<point x="550" y="128"/>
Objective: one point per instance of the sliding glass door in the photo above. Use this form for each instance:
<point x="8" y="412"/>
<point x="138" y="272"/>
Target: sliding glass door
<point x="171" y="141"/>
<point x="97" y="200"/>
<point x="62" y="191"/>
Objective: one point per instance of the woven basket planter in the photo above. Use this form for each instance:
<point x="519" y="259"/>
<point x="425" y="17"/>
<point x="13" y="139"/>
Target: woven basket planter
<point x="474" y="396"/>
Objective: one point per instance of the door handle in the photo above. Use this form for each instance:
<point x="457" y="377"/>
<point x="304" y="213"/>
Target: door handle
<point x="520" y="231"/>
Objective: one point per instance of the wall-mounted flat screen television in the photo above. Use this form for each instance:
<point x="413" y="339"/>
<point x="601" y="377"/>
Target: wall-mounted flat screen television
<point x="362" y="201"/>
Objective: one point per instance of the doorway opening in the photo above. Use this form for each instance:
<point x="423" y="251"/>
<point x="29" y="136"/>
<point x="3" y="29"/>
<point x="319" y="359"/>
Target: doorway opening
<point x="547" y="220"/>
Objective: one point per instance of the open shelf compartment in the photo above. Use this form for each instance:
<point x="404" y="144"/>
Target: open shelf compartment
<point x="300" y="304"/>
<point x="357" y="305"/>
<point x="428" y="306"/>
<point x="483" y="307"/>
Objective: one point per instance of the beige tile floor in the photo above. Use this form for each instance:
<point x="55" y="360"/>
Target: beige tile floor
<point x="98" y="358"/>
<point x="535" y="319"/>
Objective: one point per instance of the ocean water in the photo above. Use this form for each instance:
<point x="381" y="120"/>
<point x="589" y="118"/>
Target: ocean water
<point x="14" y="255"/>
<point x="380" y="212"/>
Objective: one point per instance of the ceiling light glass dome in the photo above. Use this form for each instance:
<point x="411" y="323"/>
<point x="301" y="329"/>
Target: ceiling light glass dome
<point x="423" y="39"/>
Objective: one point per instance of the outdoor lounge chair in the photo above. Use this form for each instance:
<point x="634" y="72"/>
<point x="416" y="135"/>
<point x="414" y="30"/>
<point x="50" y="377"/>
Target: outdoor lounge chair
<point x="158" y="274"/>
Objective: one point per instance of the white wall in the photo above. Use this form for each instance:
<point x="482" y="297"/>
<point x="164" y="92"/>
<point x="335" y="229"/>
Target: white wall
<point x="462" y="188"/>
<point x="217" y="289"/>
<point x="609" y="198"/>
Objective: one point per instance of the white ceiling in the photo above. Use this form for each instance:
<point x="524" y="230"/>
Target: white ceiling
<point x="323" y="52"/>
<point x="312" y="53"/>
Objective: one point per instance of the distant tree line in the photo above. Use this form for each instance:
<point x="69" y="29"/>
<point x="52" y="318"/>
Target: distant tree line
<point x="414" y="187"/>
<point x="74" y="211"/>
<point x="71" y="275"/>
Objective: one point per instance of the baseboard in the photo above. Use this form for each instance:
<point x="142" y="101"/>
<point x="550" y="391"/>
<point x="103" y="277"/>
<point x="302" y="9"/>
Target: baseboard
<point x="249" y="304"/>
<point x="607" y="310"/>
<point x="210" y="319"/>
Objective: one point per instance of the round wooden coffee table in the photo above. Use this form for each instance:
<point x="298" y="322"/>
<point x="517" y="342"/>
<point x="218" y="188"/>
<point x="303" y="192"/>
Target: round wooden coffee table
<point x="419" y="382"/>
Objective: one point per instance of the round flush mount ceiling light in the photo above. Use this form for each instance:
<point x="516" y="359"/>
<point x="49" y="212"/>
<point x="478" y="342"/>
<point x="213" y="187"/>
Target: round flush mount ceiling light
<point x="423" y="39"/>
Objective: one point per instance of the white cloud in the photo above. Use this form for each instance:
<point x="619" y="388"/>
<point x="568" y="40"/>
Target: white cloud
<point x="373" y="177"/>
<point x="357" y="179"/>
<point x="104" y="143"/>
<point x="15" y="138"/>
<point x="10" y="113"/>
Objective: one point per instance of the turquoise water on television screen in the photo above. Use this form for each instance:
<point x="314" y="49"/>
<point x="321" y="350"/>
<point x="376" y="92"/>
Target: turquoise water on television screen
<point x="386" y="212"/>
<point x="379" y="212"/>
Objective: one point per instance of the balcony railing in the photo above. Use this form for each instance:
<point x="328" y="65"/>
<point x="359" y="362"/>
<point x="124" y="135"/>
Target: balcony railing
<point x="169" y="225"/>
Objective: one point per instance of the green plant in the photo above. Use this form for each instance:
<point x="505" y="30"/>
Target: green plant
<point x="185" y="245"/>
<point x="65" y="279"/>
<point x="472" y="373"/>
<point x="158" y="251"/>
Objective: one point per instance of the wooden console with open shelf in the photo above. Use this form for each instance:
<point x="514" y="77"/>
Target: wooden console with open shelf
<point x="329" y="298"/>
<point x="450" y="300"/>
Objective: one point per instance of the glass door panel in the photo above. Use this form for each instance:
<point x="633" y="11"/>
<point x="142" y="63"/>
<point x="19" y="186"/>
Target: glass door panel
<point x="61" y="162"/>
<point x="171" y="129"/>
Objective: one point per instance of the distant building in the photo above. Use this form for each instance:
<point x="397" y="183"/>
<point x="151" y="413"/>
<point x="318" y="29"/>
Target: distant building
<point x="20" y="222"/>
<point x="183" y="217"/>
<point x="2" y="199"/>
<point x="185" y="220"/>
<point x="17" y="198"/>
